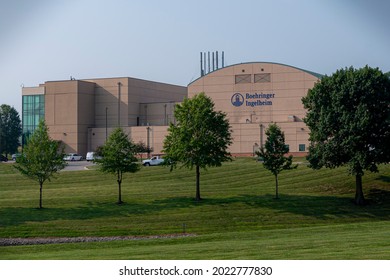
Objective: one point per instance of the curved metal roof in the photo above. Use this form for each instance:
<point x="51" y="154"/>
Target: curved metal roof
<point x="319" y="76"/>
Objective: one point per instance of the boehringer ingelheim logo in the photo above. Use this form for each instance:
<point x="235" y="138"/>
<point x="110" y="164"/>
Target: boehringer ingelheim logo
<point x="237" y="99"/>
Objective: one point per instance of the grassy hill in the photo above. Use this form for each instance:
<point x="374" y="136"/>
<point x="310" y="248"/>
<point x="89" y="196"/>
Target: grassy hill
<point x="238" y="217"/>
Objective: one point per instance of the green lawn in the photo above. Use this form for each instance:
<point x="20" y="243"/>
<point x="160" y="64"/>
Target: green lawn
<point x="238" y="217"/>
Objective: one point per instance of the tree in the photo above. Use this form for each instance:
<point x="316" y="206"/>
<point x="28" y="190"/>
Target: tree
<point x="142" y="148"/>
<point x="273" y="154"/>
<point x="10" y="129"/>
<point x="349" y="120"/>
<point x="199" y="138"/>
<point x="118" y="157"/>
<point x="41" y="158"/>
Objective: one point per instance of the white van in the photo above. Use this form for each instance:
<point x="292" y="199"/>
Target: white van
<point x="90" y="156"/>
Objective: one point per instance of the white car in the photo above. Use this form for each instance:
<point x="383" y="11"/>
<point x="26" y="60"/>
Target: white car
<point x="156" y="160"/>
<point x="73" y="157"/>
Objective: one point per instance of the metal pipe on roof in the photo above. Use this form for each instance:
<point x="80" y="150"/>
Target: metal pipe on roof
<point x="204" y="61"/>
<point x="213" y="62"/>
<point x="216" y="59"/>
<point x="209" y="61"/>
<point x="201" y="64"/>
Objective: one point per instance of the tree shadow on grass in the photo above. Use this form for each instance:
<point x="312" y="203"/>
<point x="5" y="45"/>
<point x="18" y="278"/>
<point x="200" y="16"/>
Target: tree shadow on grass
<point x="383" y="178"/>
<point x="320" y="207"/>
<point x="19" y="215"/>
<point x="326" y="207"/>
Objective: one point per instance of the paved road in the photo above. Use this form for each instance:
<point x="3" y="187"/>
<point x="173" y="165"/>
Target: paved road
<point x="71" y="165"/>
<point x="77" y="165"/>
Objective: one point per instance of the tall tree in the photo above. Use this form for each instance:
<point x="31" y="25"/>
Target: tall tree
<point x="41" y="158"/>
<point x="10" y="129"/>
<point x="273" y="154"/>
<point x="349" y="120"/>
<point x="118" y="157"/>
<point x="200" y="138"/>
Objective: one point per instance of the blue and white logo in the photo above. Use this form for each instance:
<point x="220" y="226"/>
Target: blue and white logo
<point x="237" y="99"/>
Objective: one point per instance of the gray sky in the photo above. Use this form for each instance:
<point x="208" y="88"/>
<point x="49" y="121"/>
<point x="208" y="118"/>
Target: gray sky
<point x="46" y="40"/>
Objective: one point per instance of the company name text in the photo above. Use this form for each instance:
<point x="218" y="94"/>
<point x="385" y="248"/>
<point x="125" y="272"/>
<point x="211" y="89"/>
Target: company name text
<point x="259" y="99"/>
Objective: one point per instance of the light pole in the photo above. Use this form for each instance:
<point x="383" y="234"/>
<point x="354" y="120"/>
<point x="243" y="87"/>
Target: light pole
<point x="165" y="115"/>
<point x="119" y="104"/>
<point x="148" y="140"/>
<point x="261" y="135"/>
<point x="106" y="123"/>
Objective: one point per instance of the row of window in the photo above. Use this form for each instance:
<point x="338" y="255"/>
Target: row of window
<point x="301" y="147"/>
<point x="33" y="107"/>
<point x="257" y="78"/>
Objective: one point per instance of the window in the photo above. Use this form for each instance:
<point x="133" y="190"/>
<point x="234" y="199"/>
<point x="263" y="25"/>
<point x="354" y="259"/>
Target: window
<point x="33" y="110"/>
<point x="302" y="147"/>
<point x="263" y="78"/>
<point x="243" y="79"/>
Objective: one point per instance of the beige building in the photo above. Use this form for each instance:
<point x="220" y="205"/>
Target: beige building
<point x="82" y="113"/>
<point x="255" y="94"/>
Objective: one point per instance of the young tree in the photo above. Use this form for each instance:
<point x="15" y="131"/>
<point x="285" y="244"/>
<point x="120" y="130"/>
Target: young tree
<point x="41" y="158"/>
<point x="118" y="157"/>
<point x="10" y="129"/>
<point x="1" y="136"/>
<point x="273" y="154"/>
<point x="142" y="148"/>
<point x="349" y="120"/>
<point x="199" y="138"/>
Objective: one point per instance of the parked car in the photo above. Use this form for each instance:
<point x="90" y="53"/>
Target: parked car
<point x="156" y="160"/>
<point x="14" y="156"/>
<point x="91" y="156"/>
<point x="3" y="158"/>
<point x="73" y="157"/>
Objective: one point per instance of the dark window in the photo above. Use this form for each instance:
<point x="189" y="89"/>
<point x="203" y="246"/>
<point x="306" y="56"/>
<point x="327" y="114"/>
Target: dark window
<point x="302" y="147"/>
<point x="243" y="79"/>
<point x="263" y="78"/>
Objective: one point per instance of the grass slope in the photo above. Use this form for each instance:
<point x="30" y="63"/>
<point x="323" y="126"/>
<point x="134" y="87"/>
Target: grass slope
<point x="238" y="218"/>
<point x="349" y="241"/>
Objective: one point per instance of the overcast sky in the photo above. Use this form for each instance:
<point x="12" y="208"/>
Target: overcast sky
<point x="45" y="40"/>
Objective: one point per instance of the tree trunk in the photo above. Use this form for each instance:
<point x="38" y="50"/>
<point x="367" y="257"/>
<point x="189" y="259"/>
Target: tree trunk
<point x="197" y="184"/>
<point x="40" y="194"/>
<point x="277" y="187"/>
<point x="120" y="187"/>
<point x="359" y="196"/>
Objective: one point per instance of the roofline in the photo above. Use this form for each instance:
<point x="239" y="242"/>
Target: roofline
<point x="91" y="80"/>
<point x="319" y="76"/>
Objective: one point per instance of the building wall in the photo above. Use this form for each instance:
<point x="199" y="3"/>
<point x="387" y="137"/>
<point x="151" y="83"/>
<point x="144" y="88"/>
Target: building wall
<point x="134" y="116"/>
<point x="39" y="90"/>
<point x="270" y="93"/>
<point x="85" y="114"/>
<point x="82" y="113"/>
<point x="137" y="134"/>
<point x="133" y="92"/>
<point x="158" y="114"/>
<point x="107" y="96"/>
<point x="69" y="111"/>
